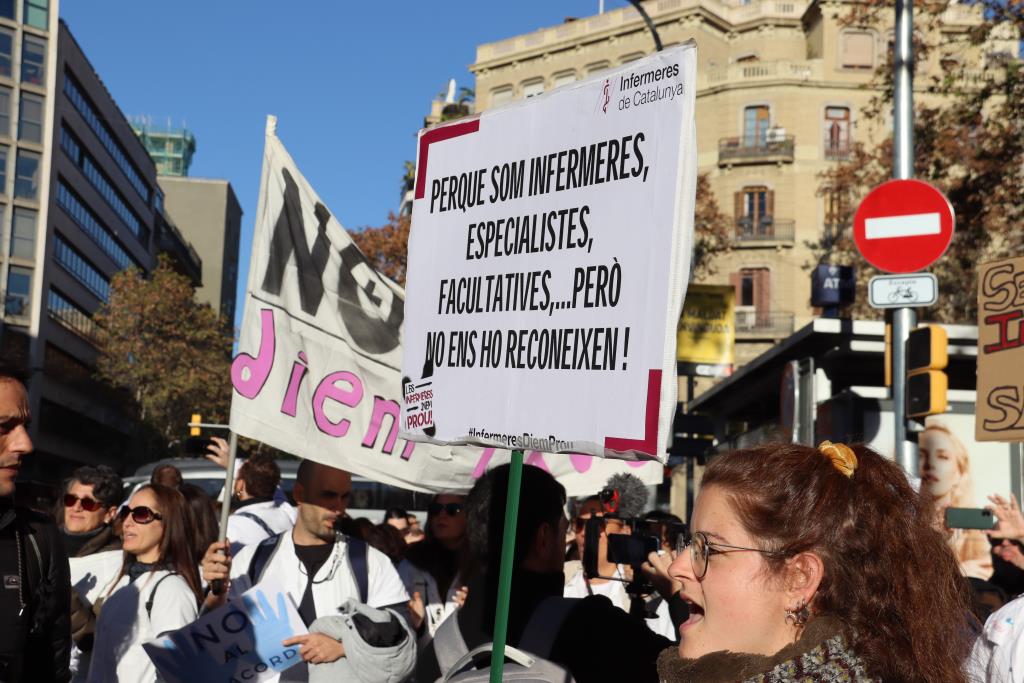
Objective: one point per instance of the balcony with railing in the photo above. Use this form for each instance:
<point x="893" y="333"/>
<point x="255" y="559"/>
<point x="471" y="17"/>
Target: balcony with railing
<point x="752" y="149"/>
<point x="837" y="149"/>
<point x="764" y="229"/>
<point x="754" y="323"/>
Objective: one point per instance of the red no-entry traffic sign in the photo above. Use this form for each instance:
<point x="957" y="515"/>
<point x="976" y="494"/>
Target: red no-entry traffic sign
<point x="903" y="226"/>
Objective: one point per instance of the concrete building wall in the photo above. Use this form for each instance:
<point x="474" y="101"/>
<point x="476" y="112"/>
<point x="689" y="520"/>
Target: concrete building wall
<point x="78" y="203"/>
<point x="209" y="215"/>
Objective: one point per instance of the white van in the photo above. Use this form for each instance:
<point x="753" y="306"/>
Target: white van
<point x="369" y="498"/>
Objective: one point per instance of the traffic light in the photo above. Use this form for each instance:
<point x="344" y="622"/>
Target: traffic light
<point x="927" y="384"/>
<point x="193" y="429"/>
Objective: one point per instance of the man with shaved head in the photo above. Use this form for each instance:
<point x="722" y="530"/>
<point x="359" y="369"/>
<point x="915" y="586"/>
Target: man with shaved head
<point x="318" y="566"/>
<point x="35" y="644"/>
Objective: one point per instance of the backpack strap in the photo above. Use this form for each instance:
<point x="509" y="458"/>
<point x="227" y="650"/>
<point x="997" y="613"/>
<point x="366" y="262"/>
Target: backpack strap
<point x="258" y="520"/>
<point x="517" y="656"/>
<point x="449" y="645"/>
<point x="360" y="569"/>
<point x="264" y="551"/>
<point x="152" y="594"/>
<point x="542" y="629"/>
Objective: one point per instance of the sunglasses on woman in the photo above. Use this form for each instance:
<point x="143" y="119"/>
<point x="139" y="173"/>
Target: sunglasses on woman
<point x="88" y="504"/>
<point x="140" y="514"/>
<point x="451" y="509"/>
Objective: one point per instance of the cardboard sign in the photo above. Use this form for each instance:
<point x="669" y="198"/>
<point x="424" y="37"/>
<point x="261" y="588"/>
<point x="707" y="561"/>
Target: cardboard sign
<point x="706" y="340"/>
<point x="317" y="372"/>
<point x="1000" y="403"/>
<point x="548" y="260"/>
<point x="238" y="642"/>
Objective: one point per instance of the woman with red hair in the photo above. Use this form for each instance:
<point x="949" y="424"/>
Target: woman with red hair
<point x="816" y="564"/>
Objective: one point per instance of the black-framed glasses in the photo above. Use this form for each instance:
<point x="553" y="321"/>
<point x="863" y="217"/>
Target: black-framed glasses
<point x="88" y="504"/>
<point x="140" y="514"/>
<point x="452" y="509"/>
<point x="701" y="550"/>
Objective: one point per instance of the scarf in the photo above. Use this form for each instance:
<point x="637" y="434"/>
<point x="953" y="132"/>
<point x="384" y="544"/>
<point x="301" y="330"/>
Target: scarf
<point x="823" y="654"/>
<point x="136" y="569"/>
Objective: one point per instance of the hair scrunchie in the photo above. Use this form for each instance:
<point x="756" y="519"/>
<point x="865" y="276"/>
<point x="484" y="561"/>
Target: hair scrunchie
<point x="842" y="456"/>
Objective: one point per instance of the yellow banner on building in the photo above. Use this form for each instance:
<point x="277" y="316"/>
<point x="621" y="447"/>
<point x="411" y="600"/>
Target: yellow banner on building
<point x="706" y="337"/>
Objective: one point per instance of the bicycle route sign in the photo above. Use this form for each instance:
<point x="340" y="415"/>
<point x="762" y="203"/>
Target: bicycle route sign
<point x="898" y="291"/>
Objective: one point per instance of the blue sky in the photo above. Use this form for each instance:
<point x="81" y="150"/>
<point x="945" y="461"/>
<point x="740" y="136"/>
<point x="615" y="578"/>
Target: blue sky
<point x="350" y="82"/>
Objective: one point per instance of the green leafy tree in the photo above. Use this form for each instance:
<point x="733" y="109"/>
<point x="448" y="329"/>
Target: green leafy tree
<point x="969" y="143"/>
<point x="170" y="353"/>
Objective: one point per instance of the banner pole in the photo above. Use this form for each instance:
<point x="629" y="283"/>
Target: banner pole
<point x="217" y="587"/>
<point x="515" y="477"/>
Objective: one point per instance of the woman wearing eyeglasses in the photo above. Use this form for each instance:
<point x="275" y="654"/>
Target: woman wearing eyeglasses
<point x="156" y="592"/>
<point x="431" y="567"/>
<point x="816" y="564"/>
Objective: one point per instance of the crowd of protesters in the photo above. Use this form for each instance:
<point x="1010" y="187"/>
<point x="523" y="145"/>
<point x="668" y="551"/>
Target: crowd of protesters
<point x="800" y="563"/>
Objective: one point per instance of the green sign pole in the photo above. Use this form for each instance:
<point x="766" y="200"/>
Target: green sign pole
<point x="515" y="477"/>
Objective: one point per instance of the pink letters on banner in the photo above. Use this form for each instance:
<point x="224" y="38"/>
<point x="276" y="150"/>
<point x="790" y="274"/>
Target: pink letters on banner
<point x="291" y="396"/>
<point x="258" y="367"/>
<point x="349" y="397"/>
<point x="249" y="375"/>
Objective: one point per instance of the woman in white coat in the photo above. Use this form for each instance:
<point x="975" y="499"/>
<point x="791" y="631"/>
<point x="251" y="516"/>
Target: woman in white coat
<point x="157" y="590"/>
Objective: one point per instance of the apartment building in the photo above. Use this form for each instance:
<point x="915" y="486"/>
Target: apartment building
<point x="79" y="202"/>
<point x="207" y="212"/>
<point x="781" y="86"/>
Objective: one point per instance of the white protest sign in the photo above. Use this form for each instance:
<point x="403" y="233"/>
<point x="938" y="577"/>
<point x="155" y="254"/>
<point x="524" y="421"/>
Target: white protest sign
<point x="238" y="642"/>
<point x="317" y="372"/>
<point x="92" y="574"/>
<point x="548" y="260"/>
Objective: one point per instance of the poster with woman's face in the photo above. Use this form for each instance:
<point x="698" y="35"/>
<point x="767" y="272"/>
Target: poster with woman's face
<point x="957" y="470"/>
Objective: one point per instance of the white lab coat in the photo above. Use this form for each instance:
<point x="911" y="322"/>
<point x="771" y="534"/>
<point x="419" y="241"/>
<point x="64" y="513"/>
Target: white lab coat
<point x="333" y="583"/>
<point x="279" y="516"/>
<point x="998" y="654"/>
<point x="124" y="625"/>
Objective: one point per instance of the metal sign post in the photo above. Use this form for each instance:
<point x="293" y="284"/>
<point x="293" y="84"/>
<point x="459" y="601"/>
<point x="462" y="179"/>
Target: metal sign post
<point x="508" y="545"/>
<point x="903" y="319"/>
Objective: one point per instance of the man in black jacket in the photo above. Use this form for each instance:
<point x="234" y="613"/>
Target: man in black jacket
<point x="35" y="598"/>
<point x="597" y="641"/>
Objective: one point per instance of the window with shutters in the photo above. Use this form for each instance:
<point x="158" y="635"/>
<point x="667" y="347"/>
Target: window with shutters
<point x="837" y="132"/>
<point x="857" y="49"/>
<point x="756" y="122"/>
<point x="533" y="88"/>
<point x="563" y="78"/>
<point x="754" y="212"/>
<point x="837" y="213"/>
<point x="753" y="294"/>
<point x="501" y="95"/>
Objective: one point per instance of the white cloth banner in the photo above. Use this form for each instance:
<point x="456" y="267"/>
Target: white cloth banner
<point x="317" y="370"/>
<point x="548" y="259"/>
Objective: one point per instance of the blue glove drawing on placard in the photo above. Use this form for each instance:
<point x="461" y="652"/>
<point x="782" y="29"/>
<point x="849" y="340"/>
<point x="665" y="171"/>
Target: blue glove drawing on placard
<point x="179" y="661"/>
<point x="270" y="627"/>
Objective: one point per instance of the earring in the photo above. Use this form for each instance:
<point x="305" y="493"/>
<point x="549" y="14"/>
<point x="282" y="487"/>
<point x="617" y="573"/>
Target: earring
<point x="798" y="616"/>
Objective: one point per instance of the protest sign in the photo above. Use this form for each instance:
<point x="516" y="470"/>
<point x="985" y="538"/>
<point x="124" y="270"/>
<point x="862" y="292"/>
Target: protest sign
<point x="706" y="340"/>
<point x="238" y="642"/>
<point x="548" y="259"/>
<point x="92" y="574"/>
<point x="317" y="372"/>
<point x="999" y="413"/>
